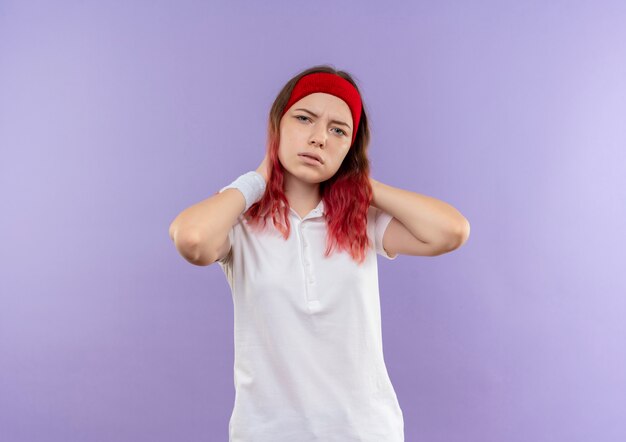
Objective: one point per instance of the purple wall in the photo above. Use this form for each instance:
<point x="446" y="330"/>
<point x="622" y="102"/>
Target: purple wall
<point x="115" y="116"/>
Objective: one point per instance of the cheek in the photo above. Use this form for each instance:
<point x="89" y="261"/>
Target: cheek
<point x="288" y="143"/>
<point x="341" y="159"/>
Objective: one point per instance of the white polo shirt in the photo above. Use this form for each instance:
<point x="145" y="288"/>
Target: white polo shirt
<point x="309" y="360"/>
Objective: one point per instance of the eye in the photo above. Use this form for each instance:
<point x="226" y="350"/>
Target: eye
<point x="307" y="118"/>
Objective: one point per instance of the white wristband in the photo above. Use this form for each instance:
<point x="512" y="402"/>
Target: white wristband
<point x="251" y="185"/>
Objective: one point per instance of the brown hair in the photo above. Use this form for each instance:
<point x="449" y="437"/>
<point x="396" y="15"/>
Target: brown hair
<point x="347" y="194"/>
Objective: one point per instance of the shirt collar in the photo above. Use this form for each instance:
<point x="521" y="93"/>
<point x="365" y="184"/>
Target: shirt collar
<point x="319" y="210"/>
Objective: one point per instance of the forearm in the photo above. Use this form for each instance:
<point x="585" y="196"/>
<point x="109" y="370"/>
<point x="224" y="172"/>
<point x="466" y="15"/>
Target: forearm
<point x="428" y="219"/>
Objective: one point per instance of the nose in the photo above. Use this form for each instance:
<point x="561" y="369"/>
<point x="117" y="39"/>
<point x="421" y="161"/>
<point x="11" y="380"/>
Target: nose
<point x="318" y="136"/>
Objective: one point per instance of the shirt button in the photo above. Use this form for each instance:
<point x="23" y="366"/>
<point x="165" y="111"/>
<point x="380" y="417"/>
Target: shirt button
<point x="311" y="281"/>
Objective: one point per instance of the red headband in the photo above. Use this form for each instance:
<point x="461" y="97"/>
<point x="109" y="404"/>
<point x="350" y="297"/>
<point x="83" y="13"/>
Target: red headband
<point x="330" y="84"/>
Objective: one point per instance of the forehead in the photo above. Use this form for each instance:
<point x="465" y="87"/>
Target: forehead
<point x="323" y="102"/>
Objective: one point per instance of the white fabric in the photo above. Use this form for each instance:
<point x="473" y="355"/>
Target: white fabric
<point x="309" y="360"/>
<point x="251" y="184"/>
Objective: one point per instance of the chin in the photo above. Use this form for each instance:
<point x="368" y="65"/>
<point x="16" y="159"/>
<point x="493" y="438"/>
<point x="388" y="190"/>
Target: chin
<point x="312" y="177"/>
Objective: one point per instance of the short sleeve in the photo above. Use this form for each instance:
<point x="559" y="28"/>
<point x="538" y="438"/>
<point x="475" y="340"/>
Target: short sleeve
<point x="381" y="221"/>
<point x="229" y="256"/>
<point x="227" y="262"/>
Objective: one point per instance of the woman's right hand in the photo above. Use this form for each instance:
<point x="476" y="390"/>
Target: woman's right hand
<point x="264" y="167"/>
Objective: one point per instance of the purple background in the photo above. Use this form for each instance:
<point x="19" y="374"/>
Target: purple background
<point x="116" y="116"/>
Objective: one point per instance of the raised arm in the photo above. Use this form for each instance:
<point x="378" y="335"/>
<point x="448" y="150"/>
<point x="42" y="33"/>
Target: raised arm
<point x="200" y="232"/>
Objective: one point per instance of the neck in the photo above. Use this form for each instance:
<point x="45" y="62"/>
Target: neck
<point x="300" y="194"/>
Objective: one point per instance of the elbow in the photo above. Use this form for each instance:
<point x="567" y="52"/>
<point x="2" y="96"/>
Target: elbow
<point x="192" y="246"/>
<point x="460" y="235"/>
<point x="172" y="231"/>
<point x="188" y="245"/>
<point x="455" y="238"/>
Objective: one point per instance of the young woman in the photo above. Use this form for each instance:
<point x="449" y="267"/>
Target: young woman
<point x="297" y="240"/>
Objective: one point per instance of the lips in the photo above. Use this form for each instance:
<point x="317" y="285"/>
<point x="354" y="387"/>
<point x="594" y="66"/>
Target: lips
<point x="312" y="155"/>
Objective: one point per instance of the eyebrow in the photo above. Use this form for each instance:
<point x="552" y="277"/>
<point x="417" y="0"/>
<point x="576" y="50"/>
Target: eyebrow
<point x="332" y="121"/>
